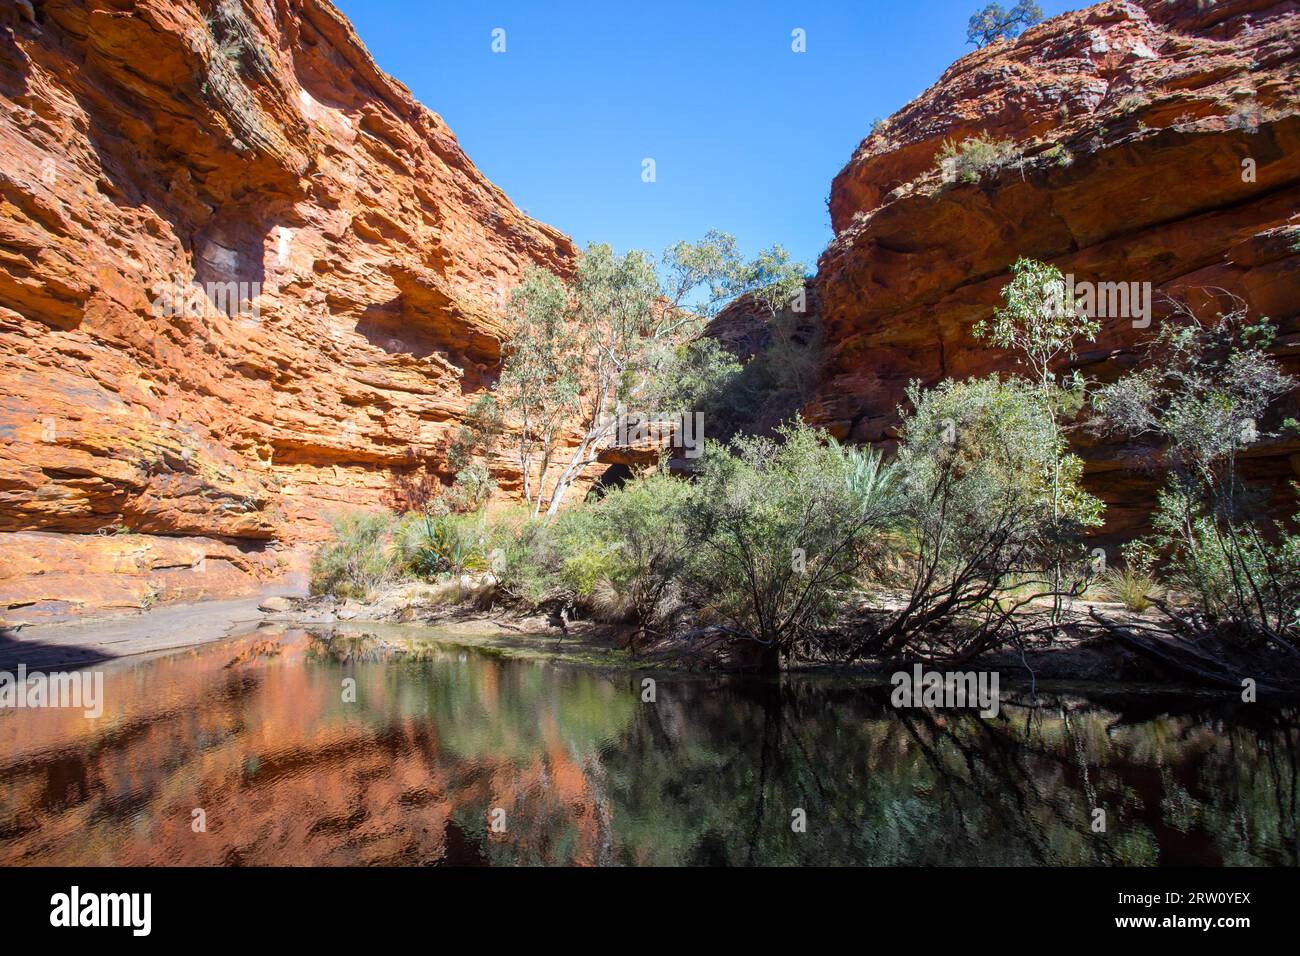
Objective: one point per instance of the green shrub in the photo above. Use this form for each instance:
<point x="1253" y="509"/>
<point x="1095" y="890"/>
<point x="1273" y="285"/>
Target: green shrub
<point x="583" y="554"/>
<point x="1204" y="391"/>
<point x="993" y="510"/>
<point x="473" y="486"/>
<point x="975" y="157"/>
<point x="1245" y="575"/>
<point x="705" y="377"/>
<point x="431" y="545"/>
<point x="637" y="550"/>
<point x="1132" y="101"/>
<point x="620" y="557"/>
<point x="756" y="396"/>
<point x="523" y="555"/>
<point x="779" y="530"/>
<point x="359" y="560"/>
<point x="1059" y="155"/>
<point x="1132" y="586"/>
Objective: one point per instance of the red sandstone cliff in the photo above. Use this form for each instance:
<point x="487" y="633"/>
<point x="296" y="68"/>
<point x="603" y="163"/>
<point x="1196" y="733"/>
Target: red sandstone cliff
<point x="150" y="451"/>
<point x="156" y="452"/>
<point x="1132" y="121"/>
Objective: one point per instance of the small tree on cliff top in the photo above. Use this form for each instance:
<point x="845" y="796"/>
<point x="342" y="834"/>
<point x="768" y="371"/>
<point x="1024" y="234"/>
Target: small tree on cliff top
<point x="583" y="355"/>
<point x="997" y="23"/>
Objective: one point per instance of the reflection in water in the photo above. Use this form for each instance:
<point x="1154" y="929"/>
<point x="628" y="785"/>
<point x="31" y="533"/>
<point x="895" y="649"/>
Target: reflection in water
<point x="257" y="735"/>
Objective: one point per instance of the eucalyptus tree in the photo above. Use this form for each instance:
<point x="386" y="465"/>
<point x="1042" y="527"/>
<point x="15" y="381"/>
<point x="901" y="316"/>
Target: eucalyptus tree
<point x="1041" y="327"/>
<point x="994" y="22"/>
<point x="581" y="356"/>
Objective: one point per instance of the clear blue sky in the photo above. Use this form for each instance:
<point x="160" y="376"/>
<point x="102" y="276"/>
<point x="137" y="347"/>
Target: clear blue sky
<point x="746" y="134"/>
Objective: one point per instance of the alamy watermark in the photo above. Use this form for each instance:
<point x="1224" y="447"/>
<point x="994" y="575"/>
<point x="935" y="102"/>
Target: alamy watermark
<point x="84" y="689"/>
<point x="922" y="688"/>
<point x="206" y="300"/>
<point x="1103" y="300"/>
<point x="75" y="908"/>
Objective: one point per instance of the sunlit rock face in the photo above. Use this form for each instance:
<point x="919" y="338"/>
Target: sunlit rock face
<point x="245" y="280"/>
<point x="1158" y="142"/>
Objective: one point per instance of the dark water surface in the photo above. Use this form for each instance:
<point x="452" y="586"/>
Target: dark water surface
<point x="255" y="733"/>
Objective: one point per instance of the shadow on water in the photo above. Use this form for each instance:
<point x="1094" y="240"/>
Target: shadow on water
<point x="344" y="749"/>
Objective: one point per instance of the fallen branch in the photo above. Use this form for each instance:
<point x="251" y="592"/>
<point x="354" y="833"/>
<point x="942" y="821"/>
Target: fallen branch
<point x="1191" y="663"/>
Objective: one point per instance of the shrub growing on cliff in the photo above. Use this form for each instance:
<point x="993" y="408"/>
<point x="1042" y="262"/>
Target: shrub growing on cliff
<point x="974" y="158"/>
<point x="473" y="486"/>
<point x="778" y="531"/>
<point x="476" y="438"/>
<point x="1204" y="393"/>
<point x="359" y="561"/>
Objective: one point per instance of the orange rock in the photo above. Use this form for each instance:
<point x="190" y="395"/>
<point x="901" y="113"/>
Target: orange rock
<point x="352" y="266"/>
<point x="1133" y="122"/>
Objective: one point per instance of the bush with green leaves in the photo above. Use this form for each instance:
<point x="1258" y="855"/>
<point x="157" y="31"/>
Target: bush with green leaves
<point x="432" y="545"/>
<point x="779" y="528"/>
<point x="978" y="460"/>
<point x="633" y="552"/>
<point x="755" y="396"/>
<point x="975" y="157"/>
<point x="705" y="377"/>
<point x="473" y="487"/>
<point x="360" y="560"/>
<point x="524" y="556"/>
<point x="1204" y="394"/>
<point x="1040" y="327"/>
<point x="1245" y="575"/>
<point x="480" y="430"/>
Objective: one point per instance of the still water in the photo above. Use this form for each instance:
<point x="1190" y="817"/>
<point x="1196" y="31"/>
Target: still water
<point x="246" y="752"/>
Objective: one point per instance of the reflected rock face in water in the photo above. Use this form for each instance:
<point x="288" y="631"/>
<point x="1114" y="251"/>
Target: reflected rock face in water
<point x="445" y="755"/>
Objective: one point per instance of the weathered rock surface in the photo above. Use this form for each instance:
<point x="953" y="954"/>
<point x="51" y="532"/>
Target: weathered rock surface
<point x="352" y="264"/>
<point x="1134" y="123"/>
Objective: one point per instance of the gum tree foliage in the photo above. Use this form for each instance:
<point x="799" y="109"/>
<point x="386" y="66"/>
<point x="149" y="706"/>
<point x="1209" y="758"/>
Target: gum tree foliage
<point x="541" y="382"/>
<point x="1203" y="394"/>
<point x="1036" y="322"/>
<point x="770" y="387"/>
<point x="977" y="459"/>
<point x="779" y="527"/>
<point x="1040" y="327"/>
<point x="589" y="353"/>
<point x="705" y="376"/>
<point x="994" y="22"/>
<point x="754" y="396"/>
